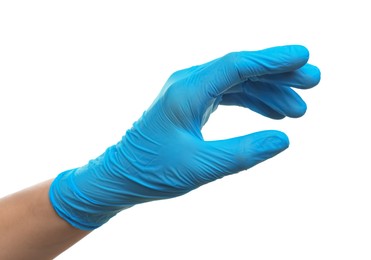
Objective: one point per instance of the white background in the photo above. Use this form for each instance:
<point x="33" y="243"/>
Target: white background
<point x="74" y="75"/>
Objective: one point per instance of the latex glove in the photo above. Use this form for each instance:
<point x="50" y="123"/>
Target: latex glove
<point x="164" y="155"/>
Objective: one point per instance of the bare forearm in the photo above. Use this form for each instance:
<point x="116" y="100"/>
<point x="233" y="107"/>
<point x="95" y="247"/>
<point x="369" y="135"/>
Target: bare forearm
<point x="30" y="228"/>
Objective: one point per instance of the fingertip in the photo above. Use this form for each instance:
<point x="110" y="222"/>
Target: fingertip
<point x="307" y="77"/>
<point x="301" y="51"/>
<point x="241" y="153"/>
<point x="264" y="145"/>
<point x="298" y="111"/>
<point x="270" y="142"/>
<point x="277" y="140"/>
<point x="282" y="59"/>
<point x="297" y="53"/>
<point x="315" y="76"/>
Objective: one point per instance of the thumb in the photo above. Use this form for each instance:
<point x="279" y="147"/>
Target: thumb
<point x="240" y="153"/>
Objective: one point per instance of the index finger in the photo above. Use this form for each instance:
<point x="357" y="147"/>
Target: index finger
<point x="218" y="76"/>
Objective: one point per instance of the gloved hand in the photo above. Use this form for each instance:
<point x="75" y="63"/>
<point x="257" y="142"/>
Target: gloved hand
<point x="164" y="155"/>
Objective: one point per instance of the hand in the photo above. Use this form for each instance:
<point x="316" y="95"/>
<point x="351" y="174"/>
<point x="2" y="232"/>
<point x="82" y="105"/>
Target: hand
<point x="164" y="154"/>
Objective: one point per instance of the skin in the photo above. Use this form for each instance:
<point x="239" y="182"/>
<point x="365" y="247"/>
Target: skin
<point x="28" y="221"/>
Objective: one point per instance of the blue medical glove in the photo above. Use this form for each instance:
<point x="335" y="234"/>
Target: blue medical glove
<point x="164" y="154"/>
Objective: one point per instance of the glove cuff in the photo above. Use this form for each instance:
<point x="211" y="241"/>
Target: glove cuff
<point x="74" y="207"/>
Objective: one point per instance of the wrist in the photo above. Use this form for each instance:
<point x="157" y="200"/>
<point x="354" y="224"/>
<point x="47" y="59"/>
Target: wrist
<point x="73" y="204"/>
